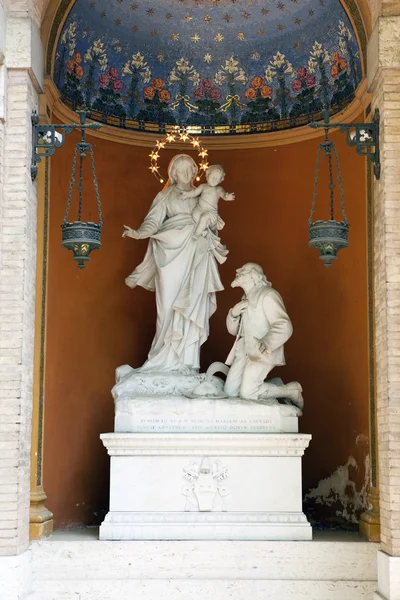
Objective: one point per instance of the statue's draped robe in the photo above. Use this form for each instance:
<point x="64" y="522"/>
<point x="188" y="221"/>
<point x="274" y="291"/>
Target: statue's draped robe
<point x="184" y="274"/>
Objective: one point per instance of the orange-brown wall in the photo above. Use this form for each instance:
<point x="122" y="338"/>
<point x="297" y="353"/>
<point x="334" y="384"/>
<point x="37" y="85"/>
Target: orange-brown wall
<point x="95" y="323"/>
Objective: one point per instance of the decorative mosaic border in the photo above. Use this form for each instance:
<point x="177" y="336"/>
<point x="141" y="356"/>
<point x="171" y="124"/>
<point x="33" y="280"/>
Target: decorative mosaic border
<point x="211" y="130"/>
<point x="355" y="14"/>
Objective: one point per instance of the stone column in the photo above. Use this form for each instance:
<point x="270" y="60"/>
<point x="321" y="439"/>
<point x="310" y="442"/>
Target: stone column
<point x="384" y="82"/>
<point x="21" y="78"/>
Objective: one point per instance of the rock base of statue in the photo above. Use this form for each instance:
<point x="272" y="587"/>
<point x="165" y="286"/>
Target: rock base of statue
<point x="207" y="468"/>
<point x="162" y="403"/>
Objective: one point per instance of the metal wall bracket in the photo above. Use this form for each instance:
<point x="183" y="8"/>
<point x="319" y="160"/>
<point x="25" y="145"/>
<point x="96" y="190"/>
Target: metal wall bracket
<point x="46" y="138"/>
<point x="363" y="136"/>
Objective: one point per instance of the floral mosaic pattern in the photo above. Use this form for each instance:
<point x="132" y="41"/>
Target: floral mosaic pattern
<point x="241" y="74"/>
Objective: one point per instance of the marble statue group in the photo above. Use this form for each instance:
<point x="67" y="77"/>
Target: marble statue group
<point x="200" y="456"/>
<point x="181" y="266"/>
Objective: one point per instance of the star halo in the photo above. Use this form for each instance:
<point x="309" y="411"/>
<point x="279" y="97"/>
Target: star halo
<point x="179" y="134"/>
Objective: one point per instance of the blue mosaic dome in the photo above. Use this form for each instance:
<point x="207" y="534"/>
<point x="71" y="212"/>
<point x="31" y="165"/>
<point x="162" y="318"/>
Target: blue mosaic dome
<point x="219" y="66"/>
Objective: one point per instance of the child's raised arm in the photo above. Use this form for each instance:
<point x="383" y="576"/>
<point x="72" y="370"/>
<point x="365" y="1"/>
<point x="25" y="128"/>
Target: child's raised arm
<point x="225" y="195"/>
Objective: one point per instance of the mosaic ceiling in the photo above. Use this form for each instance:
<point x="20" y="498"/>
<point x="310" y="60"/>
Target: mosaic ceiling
<point x="222" y="66"/>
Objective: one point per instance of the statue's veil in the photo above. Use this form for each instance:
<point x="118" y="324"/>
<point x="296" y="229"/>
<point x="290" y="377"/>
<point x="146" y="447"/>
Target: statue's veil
<point x="176" y="160"/>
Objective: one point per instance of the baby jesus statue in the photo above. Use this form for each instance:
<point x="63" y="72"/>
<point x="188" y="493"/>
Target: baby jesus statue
<point x="205" y="213"/>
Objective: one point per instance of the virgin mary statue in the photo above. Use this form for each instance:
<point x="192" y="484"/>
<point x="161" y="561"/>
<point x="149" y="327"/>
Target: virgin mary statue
<point x="181" y="269"/>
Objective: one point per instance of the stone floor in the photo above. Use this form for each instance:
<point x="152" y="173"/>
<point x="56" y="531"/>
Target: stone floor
<point x="75" y="565"/>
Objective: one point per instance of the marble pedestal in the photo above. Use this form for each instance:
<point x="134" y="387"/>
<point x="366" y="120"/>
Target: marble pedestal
<point x="205" y="486"/>
<point x="201" y="468"/>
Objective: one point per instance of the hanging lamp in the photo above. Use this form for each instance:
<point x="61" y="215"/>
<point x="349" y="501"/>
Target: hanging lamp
<point x="79" y="236"/>
<point x="328" y="237"/>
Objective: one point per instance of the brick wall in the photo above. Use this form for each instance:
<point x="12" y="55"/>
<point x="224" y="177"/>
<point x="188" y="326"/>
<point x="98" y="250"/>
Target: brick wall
<point x="384" y="77"/>
<point x="17" y="295"/>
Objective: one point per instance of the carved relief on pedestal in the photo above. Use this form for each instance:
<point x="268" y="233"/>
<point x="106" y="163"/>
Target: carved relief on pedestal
<point x="205" y="490"/>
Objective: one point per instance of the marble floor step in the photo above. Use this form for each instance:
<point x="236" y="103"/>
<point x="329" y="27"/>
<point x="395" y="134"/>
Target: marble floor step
<point x="76" y="566"/>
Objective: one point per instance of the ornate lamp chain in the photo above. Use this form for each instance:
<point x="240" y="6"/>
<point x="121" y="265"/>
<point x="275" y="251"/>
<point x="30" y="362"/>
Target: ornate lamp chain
<point x="83" y="147"/>
<point x="331" y="186"/>
<point x="71" y="185"/>
<point x="329" y="148"/>
<point x="339" y="178"/>
<point x="80" y="185"/>
<point x="314" y="197"/>
<point x="96" y="187"/>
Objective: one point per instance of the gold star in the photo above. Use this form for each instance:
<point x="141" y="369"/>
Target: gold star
<point x="216" y="1"/>
<point x="170" y="137"/>
<point x="160" y="145"/>
<point x="195" y="143"/>
<point x="120" y="1"/>
<point x="321" y="2"/>
<point x="203" y="153"/>
<point x="207" y="18"/>
<point x="195" y="38"/>
<point x="150" y="11"/>
<point x="207" y="58"/>
<point x="227" y="17"/>
<point x="153" y="32"/>
<point x="280" y="27"/>
<point x="311" y="12"/>
<point x="219" y="37"/>
<point x="154" y="155"/>
<point x="103" y="13"/>
<point x="135" y="28"/>
<point x="184" y="136"/>
<point x="161" y="56"/>
<point x="246" y="15"/>
<point x="280" y="5"/>
<point x="264" y="11"/>
<point x="297" y="46"/>
<point x="255" y="55"/>
<point x="204" y="166"/>
<point x="297" y="21"/>
<point x="188" y="18"/>
<point x="240" y="36"/>
<point x="92" y="4"/>
<point x="261" y="32"/>
<point x="175" y="37"/>
<point x="134" y="6"/>
<point x="118" y="21"/>
<point x="168" y="15"/>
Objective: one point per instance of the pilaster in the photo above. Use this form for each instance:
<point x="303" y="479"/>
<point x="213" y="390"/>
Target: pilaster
<point x="370" y="524"/>
<point x="22" y="76"/>
<point x="384" y="80"/>
<point x="384" y="83"/>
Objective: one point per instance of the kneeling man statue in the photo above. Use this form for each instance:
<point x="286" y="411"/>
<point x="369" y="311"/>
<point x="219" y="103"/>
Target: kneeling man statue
<point x="261" y="326"/>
